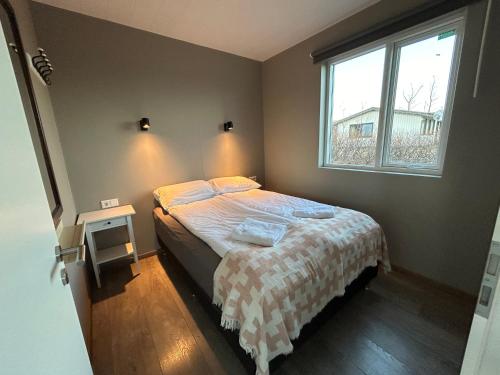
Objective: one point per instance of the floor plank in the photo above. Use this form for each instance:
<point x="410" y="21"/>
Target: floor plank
<point x="153" y="323"/>
<point x="419" y="358"/>
<point x="206" y="335"/>
<point x="101" y="335"/>
<point x="133" y="347"/>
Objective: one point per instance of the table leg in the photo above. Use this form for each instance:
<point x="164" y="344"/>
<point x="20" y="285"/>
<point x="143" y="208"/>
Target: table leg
<point x="132" y="241"/>
<point x="92" y="248"/>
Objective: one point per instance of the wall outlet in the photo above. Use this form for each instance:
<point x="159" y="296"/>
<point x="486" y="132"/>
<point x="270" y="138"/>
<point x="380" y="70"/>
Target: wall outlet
<point x="253" y="178"/>
<point x="108" y="203"/>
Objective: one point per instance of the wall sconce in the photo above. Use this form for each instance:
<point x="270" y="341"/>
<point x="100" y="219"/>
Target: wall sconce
<point x="144" y="124"/>
<point x="228" y="126"/>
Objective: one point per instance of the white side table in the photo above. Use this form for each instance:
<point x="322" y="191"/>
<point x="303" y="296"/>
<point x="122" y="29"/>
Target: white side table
<point x="96" y="221"/>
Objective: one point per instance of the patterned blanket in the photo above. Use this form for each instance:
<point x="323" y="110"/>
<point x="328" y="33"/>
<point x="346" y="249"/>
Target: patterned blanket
<point x="270" y="293"/>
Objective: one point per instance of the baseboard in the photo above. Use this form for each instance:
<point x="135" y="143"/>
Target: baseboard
<point x="148" y="254"/>
<point x="436" y="284"/>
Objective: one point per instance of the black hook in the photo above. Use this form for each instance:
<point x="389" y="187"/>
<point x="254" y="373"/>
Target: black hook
<point x="42" y="65"/>
<point x="46" y="70"/>
<point x="42" y="56"/>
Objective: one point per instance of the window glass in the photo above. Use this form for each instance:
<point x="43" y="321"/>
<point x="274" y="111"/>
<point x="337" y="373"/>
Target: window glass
<point x="355" y="103"/>
<point x="420" y="97"/>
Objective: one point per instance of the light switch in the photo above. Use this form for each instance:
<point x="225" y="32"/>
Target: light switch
<point x="108" y="203"/>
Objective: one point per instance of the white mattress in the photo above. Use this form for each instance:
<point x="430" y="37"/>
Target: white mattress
<point x="213" y="219"/>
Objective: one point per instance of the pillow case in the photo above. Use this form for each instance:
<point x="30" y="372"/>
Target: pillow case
<point x="186" y="192"/>
<point x="233" y="184"/>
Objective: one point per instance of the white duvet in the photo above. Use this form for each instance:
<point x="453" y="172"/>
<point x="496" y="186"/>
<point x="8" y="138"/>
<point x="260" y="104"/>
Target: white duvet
<point x="279" y="204"/>
<point x="213" y="219"/>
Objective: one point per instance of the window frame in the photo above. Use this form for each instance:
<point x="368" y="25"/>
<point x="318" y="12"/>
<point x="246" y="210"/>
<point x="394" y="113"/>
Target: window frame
<point x="393" y="45"/>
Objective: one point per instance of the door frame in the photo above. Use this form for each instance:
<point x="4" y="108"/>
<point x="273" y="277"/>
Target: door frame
<point x="58" y="209"/>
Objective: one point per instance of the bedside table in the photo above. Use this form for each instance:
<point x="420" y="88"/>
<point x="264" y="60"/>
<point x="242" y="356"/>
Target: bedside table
<point x="96" y="221"/>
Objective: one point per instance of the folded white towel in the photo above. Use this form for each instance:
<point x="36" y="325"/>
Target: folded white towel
<point x="259" y="232"/>
<point x="325" y="212"/>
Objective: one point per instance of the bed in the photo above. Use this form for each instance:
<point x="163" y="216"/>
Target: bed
<point x="269" y="294"/>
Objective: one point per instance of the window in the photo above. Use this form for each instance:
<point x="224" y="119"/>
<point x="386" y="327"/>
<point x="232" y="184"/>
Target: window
<point x="430" y="127"/>
<point x="356" y="93"/>
<point x="361" y="130"/>
<point x="388" y="105"/>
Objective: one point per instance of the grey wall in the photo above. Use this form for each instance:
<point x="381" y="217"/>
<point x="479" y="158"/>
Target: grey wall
<point x="440" y="228"/>
<point x="108" y="76"/>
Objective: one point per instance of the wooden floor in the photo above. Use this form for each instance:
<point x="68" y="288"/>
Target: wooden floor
<point x="152" y="323"/>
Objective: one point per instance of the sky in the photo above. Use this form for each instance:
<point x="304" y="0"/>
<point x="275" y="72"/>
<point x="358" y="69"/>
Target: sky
<point x="358" y="82"/>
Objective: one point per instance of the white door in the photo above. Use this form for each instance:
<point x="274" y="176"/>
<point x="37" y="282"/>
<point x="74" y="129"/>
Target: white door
<point x="39" y="328"/>
<point x="482" y="356"/>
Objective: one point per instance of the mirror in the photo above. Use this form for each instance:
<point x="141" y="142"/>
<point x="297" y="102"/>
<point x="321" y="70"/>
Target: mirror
<point x="22" y="70"/>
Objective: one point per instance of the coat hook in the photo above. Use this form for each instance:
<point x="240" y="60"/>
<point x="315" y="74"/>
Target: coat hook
<point x="43" y="65"/>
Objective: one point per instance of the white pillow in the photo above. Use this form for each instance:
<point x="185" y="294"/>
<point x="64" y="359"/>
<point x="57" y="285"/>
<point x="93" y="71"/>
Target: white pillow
<point x="187" y="192"/>
<point x="233" y="184"/>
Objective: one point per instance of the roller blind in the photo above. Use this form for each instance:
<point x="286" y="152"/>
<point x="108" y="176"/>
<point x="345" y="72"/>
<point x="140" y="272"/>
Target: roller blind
<point x="414" y="17"/>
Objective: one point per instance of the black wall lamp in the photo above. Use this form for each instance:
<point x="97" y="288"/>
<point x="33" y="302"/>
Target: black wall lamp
<point x="228" y="126"/>
<point x="144" y="124"/>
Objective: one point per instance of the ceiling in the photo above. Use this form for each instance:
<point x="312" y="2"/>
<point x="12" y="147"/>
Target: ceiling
<point x="257" y="29"/>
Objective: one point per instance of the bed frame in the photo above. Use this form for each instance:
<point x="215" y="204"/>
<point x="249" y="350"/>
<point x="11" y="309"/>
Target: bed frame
<point x="309" y="329"/>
